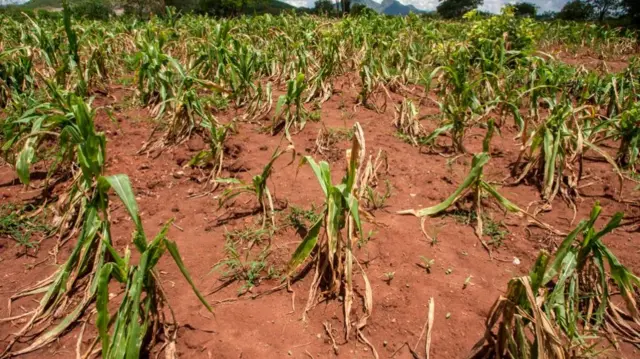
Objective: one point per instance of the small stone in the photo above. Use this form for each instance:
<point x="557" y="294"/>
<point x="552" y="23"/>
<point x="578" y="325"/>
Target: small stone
<point x="318" y="335"/>
<point x="384" y="343"/>
<point x="178" y="174"/>
<point x="190" y="191"/>
<point x="516" y="261"/>
<point x="447" y="316"/>
<point x="393" y="320"/>
<point x="289" y="353"/>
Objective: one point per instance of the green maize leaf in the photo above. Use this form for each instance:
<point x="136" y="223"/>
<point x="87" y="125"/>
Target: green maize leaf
<point x="487" y="138"/>
<point x="173" y="250"/>
<point x="114" y="254"/>
<point x="201" y="158"/>
<point x="352" y="204"/>
<point x="479" y="160"/>
<point x="562" y="252"/>
<point x="322" y="172"/>
<point x="305" y="247"/>
<point x="335" y="220"/>
<point x="505" y="203"/>
<point x="619" y="273"/>
<point x="102" y="308"/>
<point x="280" y="106"/>
<point x="23" y="165"/>
<point x="613" y="223"/>
<point x="437" y="132"/>
<point x="551" y="147"/>
<point x="121" y="185"/>
<point x="538" y="270"/>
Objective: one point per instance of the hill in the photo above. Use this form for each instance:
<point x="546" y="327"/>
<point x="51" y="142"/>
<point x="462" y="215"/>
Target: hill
<point x="389" y="7"/>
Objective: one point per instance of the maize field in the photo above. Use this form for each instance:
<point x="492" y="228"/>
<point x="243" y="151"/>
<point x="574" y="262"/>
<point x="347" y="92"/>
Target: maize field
<point x="301" y="186"/>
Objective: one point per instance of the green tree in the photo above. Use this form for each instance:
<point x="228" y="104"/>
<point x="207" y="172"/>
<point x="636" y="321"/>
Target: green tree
<point x="451" y="9"/>
<point x="361" y="10"/>
<point x="228" y="7"/>
<point x="525" y="9"/>
<point x="324" y="7"/>
<point x="143" y="8"/>
<point x="547" y="15"/>
<point x="604" y="8"/>
<point x="633" y="10"/>
<point x="92" y="9"/>
<point x="576" y="10"/>
<point x="346" y="6"/>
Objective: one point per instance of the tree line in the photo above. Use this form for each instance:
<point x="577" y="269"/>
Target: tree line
<point x="575" y="10"/>
<point x="622" y="11"/>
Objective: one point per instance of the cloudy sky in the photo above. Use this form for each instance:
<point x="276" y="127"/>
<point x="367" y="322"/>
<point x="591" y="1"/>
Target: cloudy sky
<point x="489" y="5"/>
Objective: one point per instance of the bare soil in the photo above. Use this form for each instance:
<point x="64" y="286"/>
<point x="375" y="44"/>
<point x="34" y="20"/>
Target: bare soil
<point x="271" y="326"/>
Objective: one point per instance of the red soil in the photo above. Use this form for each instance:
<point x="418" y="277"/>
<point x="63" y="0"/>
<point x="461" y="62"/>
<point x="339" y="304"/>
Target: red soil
<point x="269" y="327"/>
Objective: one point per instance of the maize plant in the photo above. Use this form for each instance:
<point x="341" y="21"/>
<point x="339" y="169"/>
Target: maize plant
<point x="407" y="123"/>
<point x="84" y="278"/>
<point x="552" y="150"/>
<point x="155" y="72"/>
<point x="566" y="300"/>
<point x="214" y="156"/>
<point x="79" y="152"/>
<point x="290" y="110"/>
<point x="460" y="107"/>
<point x="479" y="189"/>
<point x="257" y="187"/>
<point x="331" y="253"/>
<point x="16" y="73"/>
<point x="628" y="129"/>
<point x="260" y="104"/>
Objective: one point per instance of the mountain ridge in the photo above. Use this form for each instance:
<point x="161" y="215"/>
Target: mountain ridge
<point x="389" y="7"/>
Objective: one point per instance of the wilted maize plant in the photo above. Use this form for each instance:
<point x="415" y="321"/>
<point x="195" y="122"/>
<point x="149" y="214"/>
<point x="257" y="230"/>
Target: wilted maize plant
<point x="570" y="301"/>
<point x="329" y="242"/>
<point x="475" y="185"/>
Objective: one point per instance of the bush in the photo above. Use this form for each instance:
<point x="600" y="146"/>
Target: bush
<point x="451" y="9"/>
<point x="92" y="9"/>
<point x="576" y="10"/>
<point x="517" y="33"/>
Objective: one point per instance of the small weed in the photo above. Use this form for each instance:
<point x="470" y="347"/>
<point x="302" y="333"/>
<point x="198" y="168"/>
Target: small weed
<point x="301" y="219"/>
<point x="249" y="236"/>
<point x="246" y="268"/>
<point x="388" y="277"/>
<point x="448" y="271"/>
<point x="420" y="140"/>
<point x="426" y="263"/>
<point x="375" y="200"/>
<point x="467" y="282"/>
<point x="125" y="81"/>
<point x="363" y="241"/>
<point x="19" y="227"/>
<point x="495" y="230"/>
<point x="315" y="116"/>
<point x="218" y="101"/>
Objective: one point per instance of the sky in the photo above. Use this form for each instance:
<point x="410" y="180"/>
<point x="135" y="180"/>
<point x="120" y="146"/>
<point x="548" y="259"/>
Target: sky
<point x="489" y="5"/>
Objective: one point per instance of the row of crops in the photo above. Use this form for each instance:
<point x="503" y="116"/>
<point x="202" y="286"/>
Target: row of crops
<point x="484" y="74"/>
